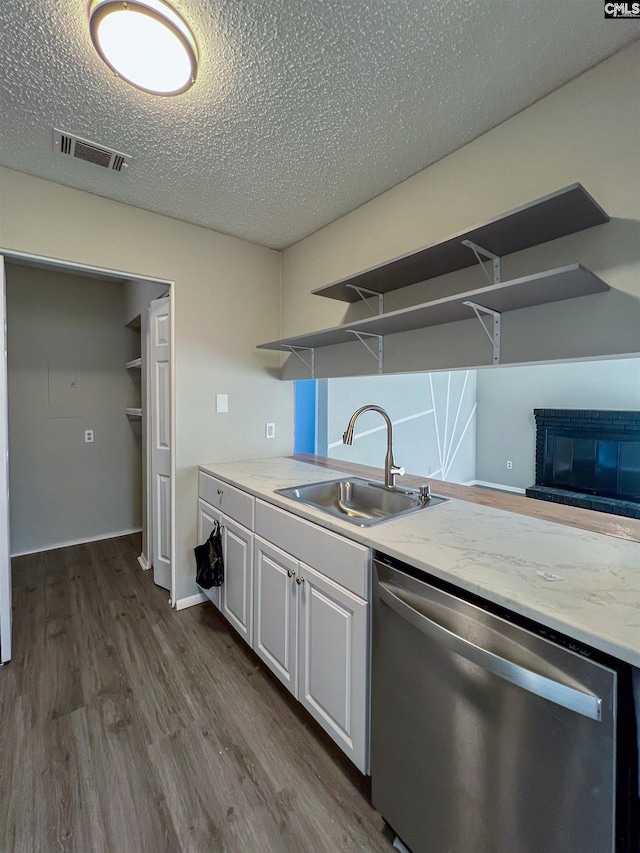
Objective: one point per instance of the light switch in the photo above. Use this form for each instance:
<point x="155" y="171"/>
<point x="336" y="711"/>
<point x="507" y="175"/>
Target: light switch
<point x="222" y="403"/>
<point x="270" y="430"/>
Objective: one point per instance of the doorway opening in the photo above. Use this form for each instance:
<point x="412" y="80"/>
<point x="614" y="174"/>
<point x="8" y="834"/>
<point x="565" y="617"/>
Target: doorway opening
<point x="87" y="381"/>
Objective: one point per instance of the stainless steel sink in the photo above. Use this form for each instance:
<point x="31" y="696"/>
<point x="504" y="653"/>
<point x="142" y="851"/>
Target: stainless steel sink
<point x="359" y="501"/>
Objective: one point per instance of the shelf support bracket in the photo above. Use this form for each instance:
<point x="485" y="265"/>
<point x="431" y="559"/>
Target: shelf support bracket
<point x="361" y="337"/>
<point x="478" y="251"/>
<point x="365" y="294"/>
<point x="311" y="364"/>
<point x="495" y="337"/>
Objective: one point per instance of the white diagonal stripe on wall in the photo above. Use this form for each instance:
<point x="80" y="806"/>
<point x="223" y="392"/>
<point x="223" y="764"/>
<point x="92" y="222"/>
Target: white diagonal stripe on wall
<point x="435" y="418"/>
<point x="455" y="422"/>
<point x="446" y="418"/>
<point x="382" y="426"/>
<point x="464" y="431"/>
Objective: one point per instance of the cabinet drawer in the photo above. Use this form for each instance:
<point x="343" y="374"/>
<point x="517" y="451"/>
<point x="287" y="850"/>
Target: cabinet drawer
<point x="233" y="502"/>
<point x="339" y="559"/>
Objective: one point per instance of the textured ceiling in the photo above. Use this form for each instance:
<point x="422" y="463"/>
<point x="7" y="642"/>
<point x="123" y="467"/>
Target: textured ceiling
<point x="302" y="110"/>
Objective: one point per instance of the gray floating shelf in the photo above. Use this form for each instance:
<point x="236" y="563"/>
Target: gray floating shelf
<point x="550" y="286"/>
<point x="135" y="363"/>
<point x="556" y="215"/>
<point x="133" y="413"/>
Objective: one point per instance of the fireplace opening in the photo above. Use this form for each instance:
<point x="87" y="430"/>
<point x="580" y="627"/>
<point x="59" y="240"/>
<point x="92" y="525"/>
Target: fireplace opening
<point x="589" y="459"/>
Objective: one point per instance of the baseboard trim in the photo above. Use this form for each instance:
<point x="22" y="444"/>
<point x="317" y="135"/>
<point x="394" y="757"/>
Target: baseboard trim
<point x="144" y="563"/>
<point x="190" y="600"/>
<point x="57" y="545"/>
<point x="500" y="486"/>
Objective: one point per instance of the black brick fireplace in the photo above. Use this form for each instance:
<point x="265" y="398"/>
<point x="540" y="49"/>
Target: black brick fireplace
<point x="589" y="459"/>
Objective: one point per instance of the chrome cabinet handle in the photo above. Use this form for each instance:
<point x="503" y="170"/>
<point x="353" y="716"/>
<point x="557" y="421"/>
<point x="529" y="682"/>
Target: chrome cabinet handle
<point x="220" y="492"/>
<point x="299" y="581"/>
<point x="567" y="697"/>
<point x="290" y="572"/>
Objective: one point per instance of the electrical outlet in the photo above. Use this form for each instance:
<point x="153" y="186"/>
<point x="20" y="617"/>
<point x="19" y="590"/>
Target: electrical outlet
<point x="88" y="436"/>
<point x="269" y="430"/>
<point x="509" y="465"/>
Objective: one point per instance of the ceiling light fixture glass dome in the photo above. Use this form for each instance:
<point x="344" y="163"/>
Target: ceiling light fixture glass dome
<point x="146" y="43"/>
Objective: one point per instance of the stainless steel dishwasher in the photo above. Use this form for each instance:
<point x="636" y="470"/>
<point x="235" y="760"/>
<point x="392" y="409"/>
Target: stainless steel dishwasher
<point x="485" y="736"/>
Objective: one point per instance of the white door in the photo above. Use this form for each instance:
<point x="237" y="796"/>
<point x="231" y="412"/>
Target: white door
<point x="146" y="554"/>
<point x="236" y="593"/>
<point x="5" y="550"/>
<point x="275" y="612"/>
<point x="159" y="428"/>
<point x="332" y="661"/>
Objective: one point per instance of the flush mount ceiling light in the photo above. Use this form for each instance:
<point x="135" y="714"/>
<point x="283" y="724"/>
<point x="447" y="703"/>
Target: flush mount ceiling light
<point x="146" y="43"/>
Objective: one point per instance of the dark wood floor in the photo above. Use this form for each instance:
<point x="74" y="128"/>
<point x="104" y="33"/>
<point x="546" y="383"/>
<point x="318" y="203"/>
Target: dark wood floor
<point x="129" y="728"/>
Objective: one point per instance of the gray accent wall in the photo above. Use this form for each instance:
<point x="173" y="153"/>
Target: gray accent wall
<point x="138" y="295"/>
<point x="507" y="397"/>
<point x="434" y="432"/>
<point x="67" y="348"/>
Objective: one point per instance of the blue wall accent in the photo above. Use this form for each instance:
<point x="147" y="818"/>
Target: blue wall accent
<point x="305" y="416"/>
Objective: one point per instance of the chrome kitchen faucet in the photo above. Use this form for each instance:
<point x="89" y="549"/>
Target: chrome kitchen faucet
<point x="391" y="470"/>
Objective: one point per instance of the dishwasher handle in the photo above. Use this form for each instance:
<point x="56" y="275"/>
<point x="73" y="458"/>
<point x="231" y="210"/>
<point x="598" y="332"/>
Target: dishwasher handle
<point x="567" y="697"/>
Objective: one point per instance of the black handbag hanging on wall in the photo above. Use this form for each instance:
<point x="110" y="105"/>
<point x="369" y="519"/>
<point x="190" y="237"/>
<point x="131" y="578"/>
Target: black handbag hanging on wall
<point x="209" y="562"/>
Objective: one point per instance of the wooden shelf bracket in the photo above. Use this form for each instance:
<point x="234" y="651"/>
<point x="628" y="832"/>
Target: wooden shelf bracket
<point x="495" y="337"/>
<point x="311" y="364"/>
<point x="361" y="337"/>
<point x="478" y="251"/>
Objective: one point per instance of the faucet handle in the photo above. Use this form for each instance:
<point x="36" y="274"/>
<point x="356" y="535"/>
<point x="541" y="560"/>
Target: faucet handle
<point x="397" y="471"/>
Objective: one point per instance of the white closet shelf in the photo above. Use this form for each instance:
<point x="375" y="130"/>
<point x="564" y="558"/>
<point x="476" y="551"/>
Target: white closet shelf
<point x="558" y="214"/>
<point x="550" y="286"/>
<point x="134" y="413"/>
<point x="136" y="363"/>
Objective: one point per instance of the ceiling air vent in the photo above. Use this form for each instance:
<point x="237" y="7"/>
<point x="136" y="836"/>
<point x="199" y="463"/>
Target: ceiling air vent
<point x="90" y="152"/>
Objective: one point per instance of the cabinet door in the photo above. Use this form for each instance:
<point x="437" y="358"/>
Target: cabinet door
<point x="333" y="661"/>
<point x="236" y="592"/>
<point x="207" y="516"/>
<point x="275" y="611"/>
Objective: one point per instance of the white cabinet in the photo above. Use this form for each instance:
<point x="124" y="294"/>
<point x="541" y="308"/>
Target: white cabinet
<point x="275" y="611"/>
<point x="297" y="594"/>
<point x="312" y="633"/>
<point x="207" y="517"/>
<point x="235" y="597"/>
<point x="341" y="560"/>
<point x="333" y="661"/>
<point x="236" y="593"/>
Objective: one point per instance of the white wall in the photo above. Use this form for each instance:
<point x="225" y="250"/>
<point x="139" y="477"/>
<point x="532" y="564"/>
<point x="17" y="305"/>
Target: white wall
<point x="66" y="352"/>
<point x="588" y="131"/>
<point x="434" y="431"/>
<point x="507" y="397"/>
<point x="227" y="299"/>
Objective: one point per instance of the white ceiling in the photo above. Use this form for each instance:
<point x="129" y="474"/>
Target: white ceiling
<point x="302" y="110"/>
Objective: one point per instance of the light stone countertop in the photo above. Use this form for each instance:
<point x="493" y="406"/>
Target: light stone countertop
<point x="492" y="553"/>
